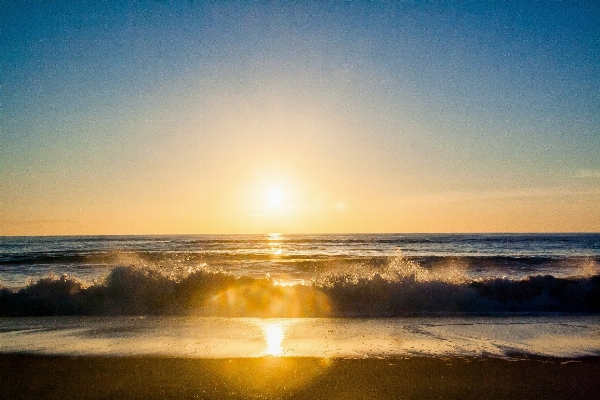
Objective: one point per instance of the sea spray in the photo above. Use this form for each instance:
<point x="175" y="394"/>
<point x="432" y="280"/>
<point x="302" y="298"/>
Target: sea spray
<point x="405" y="290"/>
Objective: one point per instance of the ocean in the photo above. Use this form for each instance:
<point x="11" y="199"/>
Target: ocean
<point x="373" y="275"/>
<point x="341" y="295"/>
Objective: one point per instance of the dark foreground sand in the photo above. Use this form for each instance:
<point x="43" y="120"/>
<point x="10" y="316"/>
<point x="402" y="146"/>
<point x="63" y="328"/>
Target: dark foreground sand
<point x="57" y="377"/>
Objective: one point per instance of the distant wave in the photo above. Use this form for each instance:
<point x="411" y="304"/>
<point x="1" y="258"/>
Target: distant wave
<point x="402" y="288"/>
<point x="305" y="262"/>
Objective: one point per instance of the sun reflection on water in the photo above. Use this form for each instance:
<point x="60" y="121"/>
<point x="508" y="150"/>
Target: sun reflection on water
<point x="274" y="334"/>
<point x="274" y="243"/>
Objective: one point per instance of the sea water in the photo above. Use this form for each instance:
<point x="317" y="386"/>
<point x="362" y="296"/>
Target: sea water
<point x="358" y="295"/>
<point x="297" y="258"/>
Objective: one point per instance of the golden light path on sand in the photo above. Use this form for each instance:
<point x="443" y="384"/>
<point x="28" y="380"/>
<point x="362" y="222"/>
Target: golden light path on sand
<point x="265" y="374"/>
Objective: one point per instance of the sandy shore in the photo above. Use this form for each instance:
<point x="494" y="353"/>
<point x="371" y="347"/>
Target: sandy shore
<point x="59" y="377"/>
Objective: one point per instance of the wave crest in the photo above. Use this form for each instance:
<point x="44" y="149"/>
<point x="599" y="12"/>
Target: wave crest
<point x="401" y="288"/>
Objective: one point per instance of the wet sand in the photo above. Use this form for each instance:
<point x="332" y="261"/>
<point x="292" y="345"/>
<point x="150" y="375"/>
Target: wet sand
<point x="60" y="377"/>
<point x="196" y="337"/>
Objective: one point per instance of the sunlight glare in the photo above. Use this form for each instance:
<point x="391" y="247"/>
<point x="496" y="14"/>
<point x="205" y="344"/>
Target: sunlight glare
<point x="273" y="336"/>
<point x="274" y="197"/>
<point x="274" y="237"/>
<point x="274" y="243"/>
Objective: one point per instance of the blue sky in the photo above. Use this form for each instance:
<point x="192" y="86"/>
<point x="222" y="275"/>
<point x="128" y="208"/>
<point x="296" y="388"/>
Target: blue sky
<point x="159" y="117"/>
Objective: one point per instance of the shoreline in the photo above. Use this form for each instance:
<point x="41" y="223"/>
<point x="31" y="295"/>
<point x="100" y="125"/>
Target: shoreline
<point x="85" y="377"/>
<point x="202" y="337"/>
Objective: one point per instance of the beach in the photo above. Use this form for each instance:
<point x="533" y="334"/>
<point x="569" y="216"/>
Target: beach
<point x="351" y="316"/>
<point x="59" y="377"/>
<point x="196" y="357"/>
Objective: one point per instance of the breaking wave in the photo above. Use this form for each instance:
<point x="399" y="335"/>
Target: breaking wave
<point x="402" y="287"/>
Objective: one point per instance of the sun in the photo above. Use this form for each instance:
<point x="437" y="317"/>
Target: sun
<point x="274" y="197"/>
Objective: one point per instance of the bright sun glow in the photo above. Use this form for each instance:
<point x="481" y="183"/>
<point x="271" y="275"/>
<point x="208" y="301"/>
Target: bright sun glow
<point x="274" y="197"/>
<point x="273" y="337"/>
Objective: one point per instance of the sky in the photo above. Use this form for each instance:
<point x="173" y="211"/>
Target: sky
<point x="193" y="117"/>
